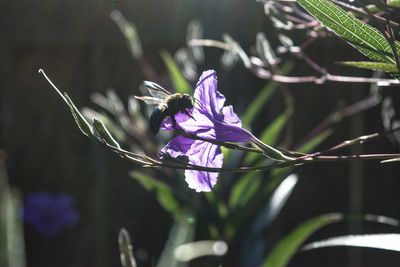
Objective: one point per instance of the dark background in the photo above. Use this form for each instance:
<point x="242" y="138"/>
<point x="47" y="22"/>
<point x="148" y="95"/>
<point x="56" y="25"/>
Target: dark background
<point x="83" y="51"/>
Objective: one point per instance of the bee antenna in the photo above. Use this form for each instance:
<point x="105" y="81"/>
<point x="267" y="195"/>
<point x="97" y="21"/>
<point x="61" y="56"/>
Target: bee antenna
<point x="198" y="102"/>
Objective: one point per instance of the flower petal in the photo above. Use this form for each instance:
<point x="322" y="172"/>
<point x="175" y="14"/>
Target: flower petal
<point x="199" y="153"/>
<point x="205" y="127"/>
<point x="207" y="155"/>
<point x="49" y="214"/>
<point x="201" y="126"/>
<point x="178" y="146"/>
<point x="206" y="93"/>
<point x="230" y="117"/>
<point x="208" y="120"/>
<point x="187" y="123"/>
<point x="231" y="133"/>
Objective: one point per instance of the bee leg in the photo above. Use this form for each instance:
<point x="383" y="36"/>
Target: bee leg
<point x="187" y="113"/>
<point x="173" y="122"/>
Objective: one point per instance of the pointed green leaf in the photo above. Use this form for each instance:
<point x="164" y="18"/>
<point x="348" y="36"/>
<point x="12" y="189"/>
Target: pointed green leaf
<point x="263" y="97"/>
<point x="237" y="49"/>
<point x="111" y="126"/>
<point x="396" y="76"/>
<point x="386" y="67"/>
<point x="103" y="133"/>
<point x="282" y="253"/>
<point x="365" y="38"/>
<point x="163" y="192"/>
<point x="390" y="160"/>
<point x="392" y="3"/>
<point x="190" y="251"/>
<point x="125" y="249"/>
<point x="80" y="120"/>
<point x="266" y="214"/>
<point x="130" y="33"/>
<point x="195" y="31"/>
<point x="12" y="245"/>
<point x="178" y="80"/>
<point x="378" y="241"/>
<point x="264" y="49"/>
<point x="182" y="231"/>
<point x="278" y="199"/>
<point x="277" y="175"/>
<point x="314" y="142"/>
<point x="244" y="189"/>
<point x="258" y="103"/>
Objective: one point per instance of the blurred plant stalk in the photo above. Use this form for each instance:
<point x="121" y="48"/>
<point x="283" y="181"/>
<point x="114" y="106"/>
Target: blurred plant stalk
<point x="12" y="246"/>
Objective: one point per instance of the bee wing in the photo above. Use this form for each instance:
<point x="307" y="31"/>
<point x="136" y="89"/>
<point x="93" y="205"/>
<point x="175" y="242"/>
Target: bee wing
<point x="154" y="89"/>
<point x="150" y="100"/>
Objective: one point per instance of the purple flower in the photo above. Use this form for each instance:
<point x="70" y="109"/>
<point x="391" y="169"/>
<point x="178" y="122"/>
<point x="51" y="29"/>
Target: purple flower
<point x="49" y="214"/>
<point x="211" y="121"/>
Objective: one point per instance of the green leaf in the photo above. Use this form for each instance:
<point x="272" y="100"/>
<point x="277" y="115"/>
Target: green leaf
<point x="103" y="133"/>
<point x="178" y="80"/>
<point x="258" y="103"/>
<point x="12" y="245"/>
<point x="130" y="33"/>
<point x="314" y="142"/>
<point x="262" y="97"/>
<point x="244" y="189"/>
<point x="282" y="253"/>
<point x="190" y="251"/>
<point x="111" y="126"/>
<point x="125" y="249"/>
<point x="248" y="188"/>
<point x="390" y="160"/>
<point x="237" y="49"/>
<point x="386" y="67"/>
<point x="365" y="38"/>
<point x="163" y="192"/>
<point x="80" y="120"/>
<point x="392" y="3"/>
<point x="182" y="232"/>
<point x="396" y="76"/>
<point x="278" y="199"/>
<point x="378" y="241"/>
<point x="266" y="214"/>
<point x="264" y="49"/>
<point x="216" y="203"/>
<point x="277" y="175"/>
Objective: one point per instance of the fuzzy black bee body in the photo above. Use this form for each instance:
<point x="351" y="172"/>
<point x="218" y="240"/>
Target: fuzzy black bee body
<point x="168" y="108"/>
<point x="167" y="104"/>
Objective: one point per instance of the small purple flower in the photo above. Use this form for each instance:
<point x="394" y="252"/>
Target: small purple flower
<point x="49" y="214"/>
<point x="211" y="121"/>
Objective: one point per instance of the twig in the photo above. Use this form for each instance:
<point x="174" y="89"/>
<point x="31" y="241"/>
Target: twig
<point x="351" y="142"/>
<point x="361" y="105"/>
<point x="257" y="67"/>
<point x="354" y="157"/>
<point x="315" y="157"/>
<point x="263" y="73"/>
<point x="224" y="144"/>
<point x="364" y="12"/>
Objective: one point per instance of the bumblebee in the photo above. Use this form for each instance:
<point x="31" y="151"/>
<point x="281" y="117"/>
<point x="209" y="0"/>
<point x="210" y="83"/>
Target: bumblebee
<point x="167" y="104"/>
